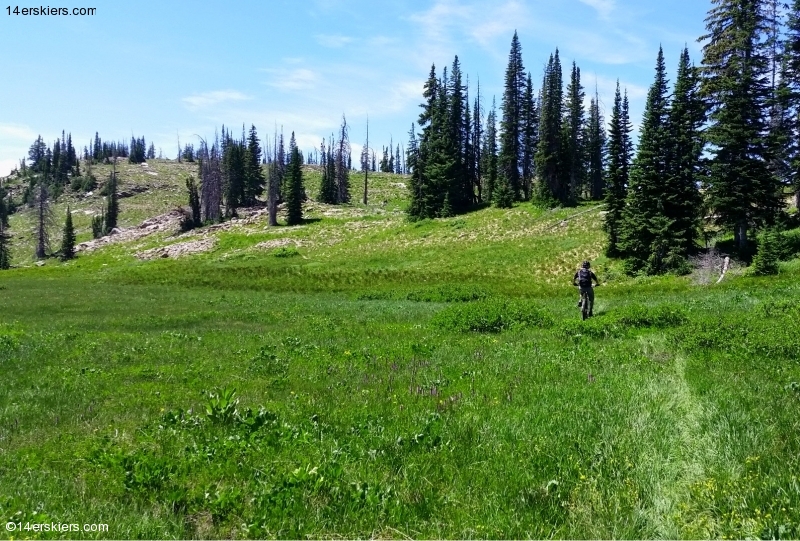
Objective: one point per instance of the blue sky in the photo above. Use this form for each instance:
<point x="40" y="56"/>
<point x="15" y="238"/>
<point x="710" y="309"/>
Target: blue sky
<point x="182" y="68"/>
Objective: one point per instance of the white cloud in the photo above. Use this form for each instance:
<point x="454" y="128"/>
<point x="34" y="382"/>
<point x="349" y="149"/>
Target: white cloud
<point x="333" y="40"/>
<point x="16" y="132"/>
<point x="209" y="99"/>
<point x="603" y="7"/>
<point x="294" y="79"/>
<point x="6" y="166"/>
<point x="15" y="139"/>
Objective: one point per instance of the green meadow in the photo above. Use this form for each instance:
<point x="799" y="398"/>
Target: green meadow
<point x="361" y="375"/>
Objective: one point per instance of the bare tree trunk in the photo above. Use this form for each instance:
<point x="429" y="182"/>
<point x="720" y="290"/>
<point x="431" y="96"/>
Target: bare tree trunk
<point x="365" y="166"/>
<point x="740" y="235"/>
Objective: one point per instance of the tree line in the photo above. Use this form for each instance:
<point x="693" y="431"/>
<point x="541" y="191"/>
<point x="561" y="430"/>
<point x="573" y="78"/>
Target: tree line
<point x="722" y="143"/>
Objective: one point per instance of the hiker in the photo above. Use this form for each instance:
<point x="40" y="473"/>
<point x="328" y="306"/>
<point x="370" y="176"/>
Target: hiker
<point x="583" y="280"/>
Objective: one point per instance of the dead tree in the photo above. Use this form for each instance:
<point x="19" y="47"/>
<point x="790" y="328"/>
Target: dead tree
<point x="342" y="170"/>
<point x="277" y="170"/>
<point x="365" y="163"/>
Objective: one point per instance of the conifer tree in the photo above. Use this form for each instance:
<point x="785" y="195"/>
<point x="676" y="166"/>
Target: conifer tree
<point x="573" y="169"/>
<point x="4" y="211"/>
<point x="253" y="175"/>
<point x="529" y="134"/>
<point x="511" y="125"/>
<point x="5" y="238"/>
<point x="194" y="202"/>
<point x="295" y="188"/>
<point x="423" y="192"/>
<point x="233" y="172"/>
<point x="790" y="96"/>
<point x="595" y="151"/>
<point x="646" y="198"/>
<point x="489" y="154"/>
<point x="765" y="261"/>
<point x="617" y="176"/>
<point x="398" y="167"/>
<point x="327" y="186"/>
<point x="548" y="154"/>
<point x="210" y="182"/>
<point x="365" y="163"/>
<point x="741" y="190"/>
<point x="5" y="248"/>
<point x="43" y="220"/>
<point x="454" y="147"/>
<point x="682" y="200"/>
<point x="68" y="238"/>
<point x="342" y="160"/>
<point x="477" y="144"/>
<point x="112" y="203"/>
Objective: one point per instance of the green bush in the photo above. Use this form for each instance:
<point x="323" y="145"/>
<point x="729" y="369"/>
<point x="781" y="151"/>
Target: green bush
<point x="639" y="316"/>
<point x="634" y="316"/>
<point x="765" y="262"/>
<point x="491" y="315"/>
<point x="448" y="293"/>
<point x="789" y="244"/>
<point x="285" y="251"/>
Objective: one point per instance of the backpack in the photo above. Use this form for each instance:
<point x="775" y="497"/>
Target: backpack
<point x="585" y="278"/>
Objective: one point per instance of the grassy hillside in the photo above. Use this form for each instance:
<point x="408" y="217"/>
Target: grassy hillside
<point x="360" y="375"/>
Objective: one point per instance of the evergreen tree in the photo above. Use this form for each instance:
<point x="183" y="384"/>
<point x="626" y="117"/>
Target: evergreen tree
<point x="5" y="249"/>
<point x="36" y="154"/>
<point x="790" y="97"/>
<point x="617" y="176"/>
<point x="573" y="168"/>
<point x="233" y="172"/>
<point x="489" y="155"/>
<point x="195" y="218"/>
<point x="477" y="143"/>
<point x="423" y="192"/>
<point x="253" y="175"/>
<point x="43" y="220"/>
<point x="682" y="199"/>
<point x="342" y="169"/>
<point x="511" y="124"/>
<point x="741" y="190"/>
<point x="4" y="210"/>
<point x="327" y="186"/>
<point x="295" y="188"/>
<point x="646" y="198"/>
<point x="548" y="153"/>
<point x="112" y="203"/>
<point x="5" y="238"/>
<point x="454" y="147"/>
<point x="415" y="187"/>
<point x="530" y="137"/>
<point x="595" y="151"/>
<point x="365" y="163"/>
<point x="98" y="222"/>
<point x="68" y="238"/>
<point x="765" y="261"/>
<point x="210" y="182"/>
<point x="398" y="167"/>
<point x="275" y="176"/>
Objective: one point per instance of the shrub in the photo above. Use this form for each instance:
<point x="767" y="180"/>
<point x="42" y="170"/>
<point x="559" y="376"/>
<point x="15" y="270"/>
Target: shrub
<point x="765" y="262"/>
<point x="491" y="315"/>
<point x="285" y="251"/>
<point x="634" y="316"/>
<point x="789" y="244"/>
<point x="448" y="293"/>
<point x="639" y="316"/>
